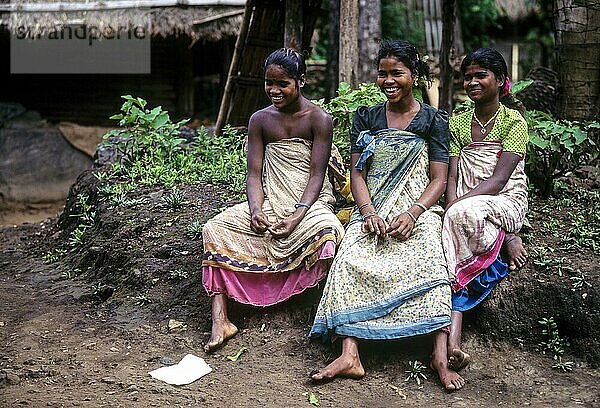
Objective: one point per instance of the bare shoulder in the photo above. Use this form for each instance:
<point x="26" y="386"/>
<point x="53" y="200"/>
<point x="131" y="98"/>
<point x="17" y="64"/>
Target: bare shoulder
<point x="318" y="115"/>
<point x="262" y="116"/>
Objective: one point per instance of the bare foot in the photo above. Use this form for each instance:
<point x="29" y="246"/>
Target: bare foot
<point x="450" y="379"/>
<point x="517" y="255"/>
<point x="222" y="330"/>
<point x="346" y="365"/>
<point x="458" y="359"/>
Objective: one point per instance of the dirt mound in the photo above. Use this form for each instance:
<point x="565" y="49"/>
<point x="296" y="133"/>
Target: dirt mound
<point x="89" y="313"/>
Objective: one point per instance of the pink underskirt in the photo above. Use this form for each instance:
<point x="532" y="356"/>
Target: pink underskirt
<point x="266" y="289"/>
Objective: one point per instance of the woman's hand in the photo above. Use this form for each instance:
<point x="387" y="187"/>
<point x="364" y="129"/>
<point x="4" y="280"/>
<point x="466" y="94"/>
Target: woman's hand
<point x="375" y="224"/>
<point x="259" y="222"/>
<point x="401" y="226"/>
<point x="285" y="227"/>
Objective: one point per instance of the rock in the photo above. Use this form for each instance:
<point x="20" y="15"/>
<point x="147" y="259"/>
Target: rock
<point x="176" y="325"/>
<point x="12" y="378"/>
<point x="164" y="252"/>
<point x="108" y="380"/>
<point x="167" y="361"/>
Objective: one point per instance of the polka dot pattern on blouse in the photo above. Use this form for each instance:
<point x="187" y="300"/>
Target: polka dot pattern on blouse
<point x="509" y="128"/>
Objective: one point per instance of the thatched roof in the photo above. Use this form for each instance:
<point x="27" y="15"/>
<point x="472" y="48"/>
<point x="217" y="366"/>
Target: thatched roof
<point x="208" y="20"/>
<point x="517" y="9"/>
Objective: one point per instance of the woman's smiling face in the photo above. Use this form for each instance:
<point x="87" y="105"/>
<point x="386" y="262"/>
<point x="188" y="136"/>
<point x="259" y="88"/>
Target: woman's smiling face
<point x="481" y="84"/>
<point x="280" y="88"/>
<point x="394" y="79"/>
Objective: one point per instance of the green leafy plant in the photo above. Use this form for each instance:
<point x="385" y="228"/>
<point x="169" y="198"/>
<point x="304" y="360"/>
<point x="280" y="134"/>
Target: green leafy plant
<point x="54" y="255"/>
<point x="342" y="109"/>
<point x="142" y="299"/>
<point x="556" y="147"/>
<point x="585" y="232"/>
<point x="565" y="366"/>
<point x="86" y="217"/>
<point x="553" y="343"/>
<point x="479" y="18"/>
<point x="178" y="274"/>
<point x="580" y="282"/>
<point x="415" y="372"/>
<point x="195" y="229"/>
<point x="175" y="199"/>
<point x="313" y="399"/>
<point x="150" y="152"/>
<point x="412" y="28"/>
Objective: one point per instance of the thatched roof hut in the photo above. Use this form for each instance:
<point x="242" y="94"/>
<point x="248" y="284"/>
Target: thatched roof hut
<point x="198" y="19"/>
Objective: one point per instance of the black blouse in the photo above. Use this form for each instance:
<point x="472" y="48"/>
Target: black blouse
<point x="429" y="123"/>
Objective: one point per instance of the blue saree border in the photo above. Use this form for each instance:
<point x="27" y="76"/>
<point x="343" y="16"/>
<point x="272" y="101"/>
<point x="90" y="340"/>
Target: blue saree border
<point x="349" y="318"/>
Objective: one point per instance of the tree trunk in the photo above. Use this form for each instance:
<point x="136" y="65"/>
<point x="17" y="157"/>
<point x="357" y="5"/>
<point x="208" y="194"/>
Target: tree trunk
<point x="369" y="36"/>
<point x="446" y="71"/>
<point x="292" y="36"/>
<point x="349" y="12"/>
<point x="333" y="50"/>
<point x="578" y="58"/>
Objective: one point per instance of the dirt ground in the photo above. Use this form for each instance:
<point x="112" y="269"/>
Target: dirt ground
<point x="85" y="330"/>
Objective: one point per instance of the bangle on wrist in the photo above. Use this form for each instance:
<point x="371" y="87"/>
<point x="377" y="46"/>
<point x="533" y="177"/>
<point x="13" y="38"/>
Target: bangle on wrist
<point x="300" y="204"/>
<point x="421" y="206"/>
<point x="360" y="207"/>
<point x="412" y="216"/>
<point x="368" y="215"/>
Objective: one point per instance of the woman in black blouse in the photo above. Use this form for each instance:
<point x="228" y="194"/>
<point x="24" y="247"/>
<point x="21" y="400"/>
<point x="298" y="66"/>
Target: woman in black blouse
<point x="389" y="278"/>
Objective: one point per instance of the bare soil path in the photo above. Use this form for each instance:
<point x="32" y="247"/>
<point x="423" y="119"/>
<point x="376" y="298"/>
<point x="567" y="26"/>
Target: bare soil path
<point x="61" y="347"/>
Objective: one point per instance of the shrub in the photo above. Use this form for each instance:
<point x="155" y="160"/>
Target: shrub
<point x="342" y="109"/>
<point x="151" y="153"/>
<point x="555" y="148"/>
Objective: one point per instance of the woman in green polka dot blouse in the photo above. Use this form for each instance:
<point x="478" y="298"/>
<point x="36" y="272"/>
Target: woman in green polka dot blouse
<point x="486" y="197"/>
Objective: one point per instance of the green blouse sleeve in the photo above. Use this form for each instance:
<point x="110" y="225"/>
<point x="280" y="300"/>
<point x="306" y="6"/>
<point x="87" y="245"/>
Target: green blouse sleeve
<point x="456" y="144"/>
<point x="517" y="134"/>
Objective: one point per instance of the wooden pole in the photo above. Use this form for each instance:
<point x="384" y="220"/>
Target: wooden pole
<point x="292" y="35"/>
<point x="349" y="12"/>
<point x="446" y="70"/>
<point x="333" y="51"/>
<point x="237" y="52"/>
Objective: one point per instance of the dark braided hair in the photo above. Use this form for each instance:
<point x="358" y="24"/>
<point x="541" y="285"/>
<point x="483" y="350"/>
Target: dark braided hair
<point x="491" y="59"/>
<point x="406" y="53"/>
<point x="288" y="59"/>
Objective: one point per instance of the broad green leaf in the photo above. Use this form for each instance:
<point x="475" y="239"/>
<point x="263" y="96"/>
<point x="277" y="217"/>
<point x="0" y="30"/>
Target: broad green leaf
<point x="520" y="85"/>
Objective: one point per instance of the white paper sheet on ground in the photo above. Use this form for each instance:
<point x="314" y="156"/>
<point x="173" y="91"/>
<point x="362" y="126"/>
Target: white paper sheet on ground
<point x="188" y="370"/>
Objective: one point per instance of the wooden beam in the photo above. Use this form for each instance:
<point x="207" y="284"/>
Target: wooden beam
<point x="292" y="34"/>
<point x="349" y="12"/>
<point x="111" y="5"/>
<point x="218" y="17"/>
